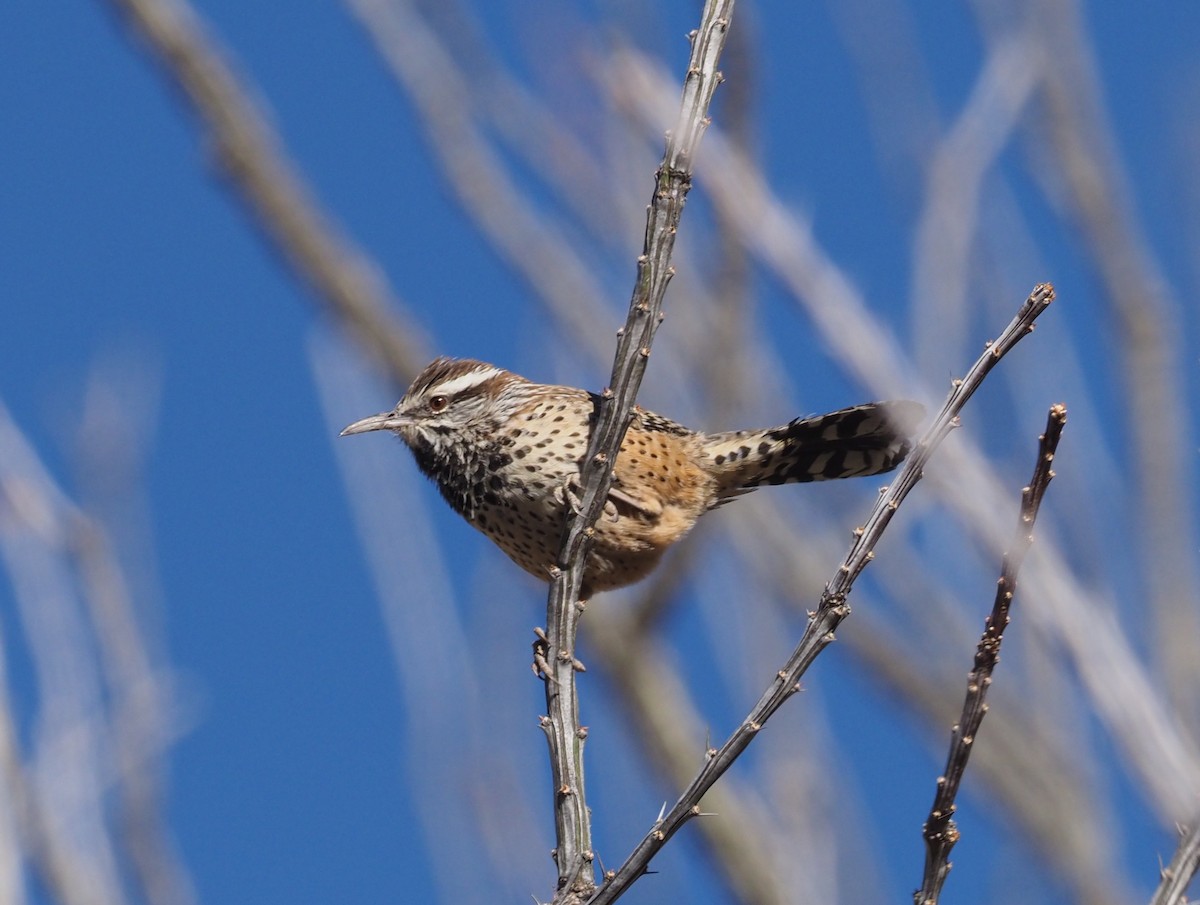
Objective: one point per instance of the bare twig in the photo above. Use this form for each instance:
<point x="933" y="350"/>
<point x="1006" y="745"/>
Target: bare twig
<point x="940" y="832"/>
<point x="1179" y="873"/>
<point x="832" y="608"/>
<point x="567" y="592"/>
<point x="345" y="279"/>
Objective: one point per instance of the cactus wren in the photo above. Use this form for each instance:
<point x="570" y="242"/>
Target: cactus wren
<point x="506" y="452"/>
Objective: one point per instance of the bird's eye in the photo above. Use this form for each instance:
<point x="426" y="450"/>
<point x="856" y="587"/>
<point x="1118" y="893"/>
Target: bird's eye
<point x="438" y="403"/>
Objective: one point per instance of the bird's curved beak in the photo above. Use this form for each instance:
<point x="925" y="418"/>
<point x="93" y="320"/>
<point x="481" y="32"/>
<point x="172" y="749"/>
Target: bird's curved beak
<point x="383" y="422"/>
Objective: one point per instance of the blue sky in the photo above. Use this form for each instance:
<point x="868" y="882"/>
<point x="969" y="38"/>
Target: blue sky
<point x="127" y="258"/>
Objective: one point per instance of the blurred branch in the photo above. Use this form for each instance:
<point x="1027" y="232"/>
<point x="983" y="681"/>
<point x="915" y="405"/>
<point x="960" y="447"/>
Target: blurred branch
<point x="832" y="608"/>
<point x="945" y="234"/>
<point x="140" y="725"/>
<point x="665" y="719"/>
<point x="1035" y="771"/>
<point x="771" y="233"/>
<point x="411" y="577"/>
<point x="1031" y="773"/>
<point x="15" y="817"/>
<point x="532" y="246"/>
<point x="723" y="347"/>
<point x="940" y="831"/>
<point x="533" y="128"/>
<point x="1084" y="176"/>
<point x="1156" y="745"/>
<point x="111" y="446"/>
<point x="71" y="841"/>
<point x="350" y="285"/>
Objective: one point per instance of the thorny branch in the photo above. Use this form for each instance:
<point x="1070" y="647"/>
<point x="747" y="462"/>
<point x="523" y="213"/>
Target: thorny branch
<point x="564" y="605"/>
<point x="832" y="608"/>
<point x="940" y="832"/>
<point x="1179" y="873"/>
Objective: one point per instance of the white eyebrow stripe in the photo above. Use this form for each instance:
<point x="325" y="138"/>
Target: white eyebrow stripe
<point x="464" y="382"/>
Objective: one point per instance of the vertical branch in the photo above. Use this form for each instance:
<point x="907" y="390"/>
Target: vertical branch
<point x="568" y="593"/>
<point x="940" y="831"/>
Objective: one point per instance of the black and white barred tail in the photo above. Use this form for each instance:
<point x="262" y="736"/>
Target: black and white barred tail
<point x="854" y="442"/>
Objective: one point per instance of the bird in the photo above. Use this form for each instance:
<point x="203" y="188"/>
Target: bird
<point x="506" y="453"/>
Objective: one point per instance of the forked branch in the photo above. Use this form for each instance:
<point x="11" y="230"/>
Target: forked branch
<point x="832" y="608"/>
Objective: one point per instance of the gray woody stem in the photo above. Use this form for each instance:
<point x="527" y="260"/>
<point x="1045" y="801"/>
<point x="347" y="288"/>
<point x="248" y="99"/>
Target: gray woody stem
<point x="832" y="608"/>
<point x="1179" y="873"/>
<point x="939" y="831"/>
<point x="564" y="606"/>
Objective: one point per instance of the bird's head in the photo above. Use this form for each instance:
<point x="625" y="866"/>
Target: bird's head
<point x="450" y="400"/>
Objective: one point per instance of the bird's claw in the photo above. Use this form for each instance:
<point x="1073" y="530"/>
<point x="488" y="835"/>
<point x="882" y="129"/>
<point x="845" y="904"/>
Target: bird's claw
<point x="541" y="650"/>
<point x="568" y="494"/>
